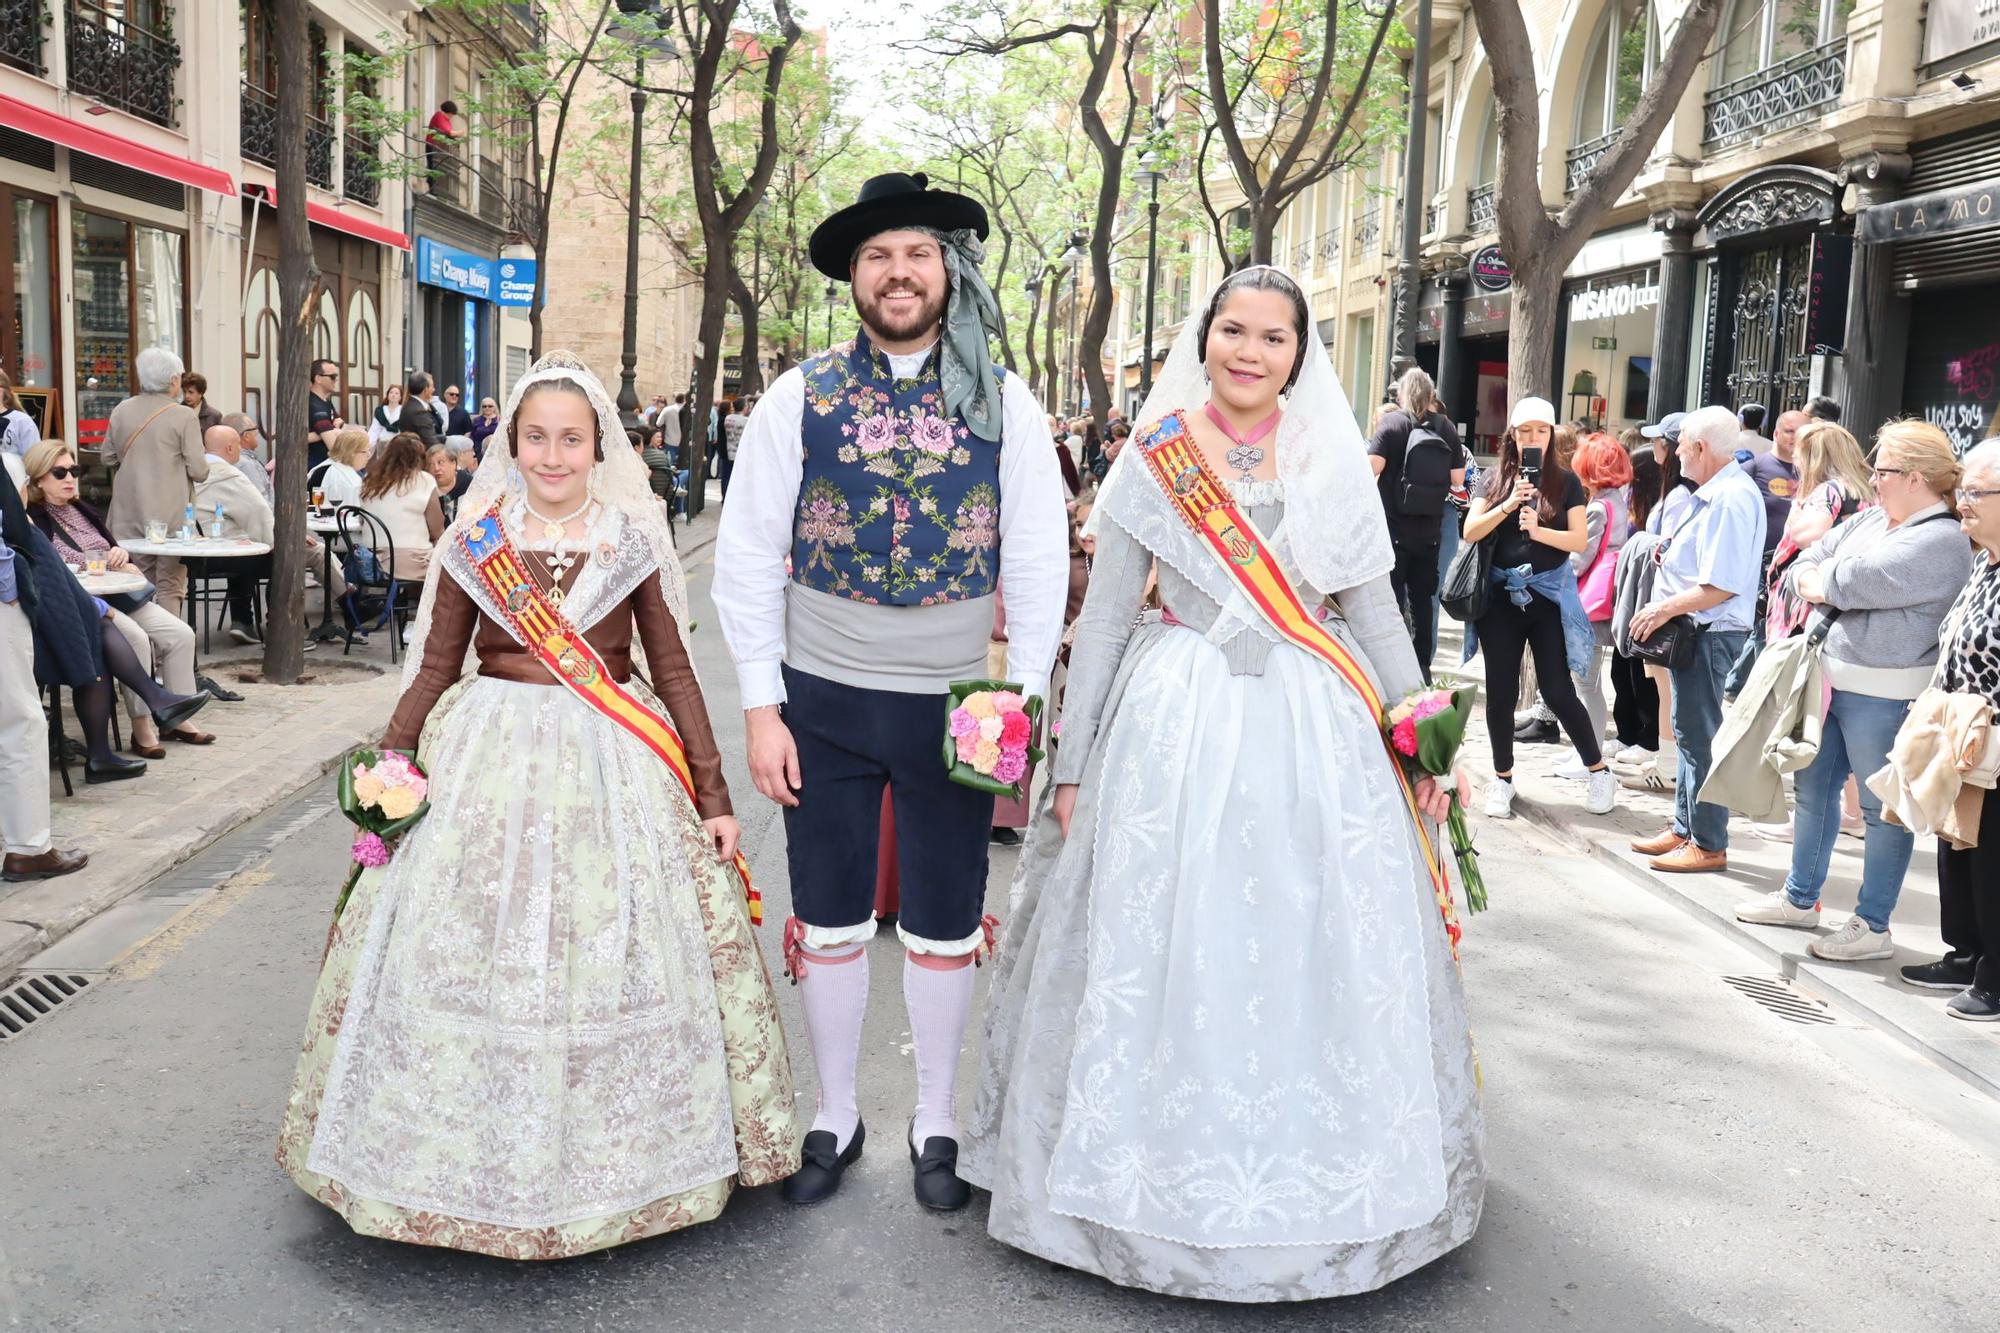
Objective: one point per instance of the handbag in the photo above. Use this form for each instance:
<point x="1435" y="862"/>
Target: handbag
<point x="1467" y="589"/>
<point x="1671" y="644"/>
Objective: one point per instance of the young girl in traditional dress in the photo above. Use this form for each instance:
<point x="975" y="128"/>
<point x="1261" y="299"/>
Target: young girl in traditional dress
<point x="1226" y="1049"/>
<point x="545" y="1027"/>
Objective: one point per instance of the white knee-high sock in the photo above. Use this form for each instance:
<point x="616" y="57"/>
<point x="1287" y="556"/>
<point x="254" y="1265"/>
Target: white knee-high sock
<point x="939" y="1002"/>
<point x="834" y="992"/>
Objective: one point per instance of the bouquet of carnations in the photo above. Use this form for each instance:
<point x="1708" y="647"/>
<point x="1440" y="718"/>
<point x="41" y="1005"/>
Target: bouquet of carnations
<point x="383" y="793"/>
<point x="989" y="736"/>
<point x="1427" y="728"/>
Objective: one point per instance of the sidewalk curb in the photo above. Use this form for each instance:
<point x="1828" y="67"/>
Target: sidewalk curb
<point x="1972" y="1056"/>
<point x="20" y="941"/>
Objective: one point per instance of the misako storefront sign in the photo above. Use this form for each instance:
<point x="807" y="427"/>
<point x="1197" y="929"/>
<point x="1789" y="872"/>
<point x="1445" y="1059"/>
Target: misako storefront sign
<point x="1966" y="208"/>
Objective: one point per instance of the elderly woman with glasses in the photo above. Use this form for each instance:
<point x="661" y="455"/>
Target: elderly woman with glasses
<point x="1969" y="663"/>
<point x="483" y="426"/>
<point x="1889" y="574"/>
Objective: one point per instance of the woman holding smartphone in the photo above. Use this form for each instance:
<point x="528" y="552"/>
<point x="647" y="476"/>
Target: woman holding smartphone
<point x="1533" y="509"/>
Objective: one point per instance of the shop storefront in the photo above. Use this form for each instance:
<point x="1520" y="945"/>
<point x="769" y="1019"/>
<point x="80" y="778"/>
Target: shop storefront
<point x="460" y="296"/>
<point x="1770" y="299"/>
<point x="1607" y="355"/>
<point x="1940" y="245"/>
<point x="1481" y="377"/>
<point x="129" y="285"/>
<point x="347" y="326"/>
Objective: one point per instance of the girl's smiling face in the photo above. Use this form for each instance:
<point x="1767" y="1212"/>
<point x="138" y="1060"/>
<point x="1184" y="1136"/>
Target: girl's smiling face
<point x="555" y="443"/>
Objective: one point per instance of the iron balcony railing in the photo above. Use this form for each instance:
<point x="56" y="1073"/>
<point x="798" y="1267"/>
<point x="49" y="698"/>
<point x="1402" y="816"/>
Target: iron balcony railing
<point x="492" y="191"/>
<point x="358" y="180"/>
<point x="120" y="64"/>
<point x="1368" y="227"/>
<point x="447" y="175"/>
<point x="1329" y="246"/>
<point x="527" y="208"/>
<point x="1791" y="92"/>
<point x="21" y="34"/>
<point x="1433" y="216"/>
<point x="260" y="135"/>
<point x="1582" y="160"/>
<point x="1482" y="212"/>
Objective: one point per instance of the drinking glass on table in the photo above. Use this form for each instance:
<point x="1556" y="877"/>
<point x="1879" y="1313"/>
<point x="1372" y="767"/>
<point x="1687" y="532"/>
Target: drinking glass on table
<point x="95" y="565"/>
<point x="156" y="529"/>
<point x="318" y="498"/>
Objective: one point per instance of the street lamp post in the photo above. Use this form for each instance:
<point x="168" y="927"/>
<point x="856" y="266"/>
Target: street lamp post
<point x="832" y="298"/>
<point x="628" y="356"/>
<point x="1150" y="173"/>
<point x="1413" y="186"/>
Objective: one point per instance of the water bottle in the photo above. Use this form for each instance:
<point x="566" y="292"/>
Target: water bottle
<point x="187" y="523"/>
<point x="218" y="518"/>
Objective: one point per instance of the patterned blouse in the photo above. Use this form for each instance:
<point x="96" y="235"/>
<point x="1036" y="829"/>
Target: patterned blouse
<point x="1969" y="639"/>
<point x="82" y="535"/>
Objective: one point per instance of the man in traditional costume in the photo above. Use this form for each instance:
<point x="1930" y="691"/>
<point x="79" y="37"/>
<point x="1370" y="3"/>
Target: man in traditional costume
<point x="902" y="475"/>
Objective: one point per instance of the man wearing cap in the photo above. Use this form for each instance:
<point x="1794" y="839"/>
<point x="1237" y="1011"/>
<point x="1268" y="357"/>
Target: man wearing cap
<point x="904" y="477"/>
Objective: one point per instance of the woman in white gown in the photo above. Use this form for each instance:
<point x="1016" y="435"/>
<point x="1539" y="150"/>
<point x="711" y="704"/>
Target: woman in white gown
<point x="1227" y="1053"/>
<point x="545" y="1027"/>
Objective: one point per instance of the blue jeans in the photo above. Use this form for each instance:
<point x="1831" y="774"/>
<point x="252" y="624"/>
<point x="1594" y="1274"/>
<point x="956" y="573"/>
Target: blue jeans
<point x="1448" y="541"/>
<point x="1860" y="728"/>
<point x="1697" y="717"/>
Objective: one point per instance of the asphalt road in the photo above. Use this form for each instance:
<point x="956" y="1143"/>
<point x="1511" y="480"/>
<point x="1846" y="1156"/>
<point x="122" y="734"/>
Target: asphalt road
<point x="1664" y="1153"/>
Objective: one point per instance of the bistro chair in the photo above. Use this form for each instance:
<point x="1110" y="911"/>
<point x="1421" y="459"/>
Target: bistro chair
<point x="376" y="571"/>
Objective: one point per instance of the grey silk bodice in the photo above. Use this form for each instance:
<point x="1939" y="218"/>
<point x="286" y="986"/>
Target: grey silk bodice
<point x="1111" y="617"/>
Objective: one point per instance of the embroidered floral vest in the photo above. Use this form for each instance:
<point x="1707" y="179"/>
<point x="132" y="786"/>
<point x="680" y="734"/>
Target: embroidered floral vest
<point x="899" y="505"/>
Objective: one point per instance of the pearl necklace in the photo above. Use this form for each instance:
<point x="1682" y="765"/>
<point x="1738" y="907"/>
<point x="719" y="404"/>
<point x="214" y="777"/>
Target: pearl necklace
<point x="554" y="528"/>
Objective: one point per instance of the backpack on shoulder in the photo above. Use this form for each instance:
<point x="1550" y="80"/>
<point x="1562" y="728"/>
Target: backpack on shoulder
<point x="1424" y="483"/>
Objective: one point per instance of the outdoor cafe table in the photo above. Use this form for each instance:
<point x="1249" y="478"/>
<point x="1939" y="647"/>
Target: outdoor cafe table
<point x="196" y="548"/>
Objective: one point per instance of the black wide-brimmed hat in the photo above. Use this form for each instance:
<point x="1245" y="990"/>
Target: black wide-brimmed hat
<point x="887" y="203"/>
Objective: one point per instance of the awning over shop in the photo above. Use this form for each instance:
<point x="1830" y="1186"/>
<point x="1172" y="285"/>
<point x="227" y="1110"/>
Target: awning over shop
<point x="86" y="138"/>
<point x="337" y="220"/>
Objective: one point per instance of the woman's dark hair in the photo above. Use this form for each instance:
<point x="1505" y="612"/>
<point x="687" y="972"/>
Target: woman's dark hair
<point x="556" y="386"/>
<point x="1646" y="487"/>
<point x="401" y="458"/>
<point x="1549" y="487"/>
<point x="1120" y="429"/>
<point x="1260" y="279"/>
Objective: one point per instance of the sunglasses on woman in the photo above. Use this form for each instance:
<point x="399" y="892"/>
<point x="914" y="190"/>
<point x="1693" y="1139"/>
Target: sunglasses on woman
<point x="65" y="473"/>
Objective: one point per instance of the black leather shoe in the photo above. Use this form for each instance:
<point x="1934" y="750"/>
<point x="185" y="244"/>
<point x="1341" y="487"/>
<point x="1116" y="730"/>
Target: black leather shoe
<point x="218" y="691"/>
<point x="179" y="711"/>
<point x="820" y="1167"/>
<point x="1537" y="732"/>
<point x="115" y="769"/>
<point x="1005" y="837"/>
<point x="938" y="1186"/>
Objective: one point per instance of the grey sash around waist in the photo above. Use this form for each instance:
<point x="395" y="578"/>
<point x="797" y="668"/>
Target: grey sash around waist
<point x="905" y="649"/>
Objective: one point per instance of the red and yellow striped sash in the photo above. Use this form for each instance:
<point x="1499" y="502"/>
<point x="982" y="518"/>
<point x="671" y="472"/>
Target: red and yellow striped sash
<point x="1206" y="506"/>
<point x="557" y="645"/>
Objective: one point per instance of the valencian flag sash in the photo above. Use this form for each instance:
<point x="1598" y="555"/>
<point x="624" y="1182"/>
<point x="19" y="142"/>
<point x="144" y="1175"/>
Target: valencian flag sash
<point x="557" y="645"/>
<point x="1205" y="505"/>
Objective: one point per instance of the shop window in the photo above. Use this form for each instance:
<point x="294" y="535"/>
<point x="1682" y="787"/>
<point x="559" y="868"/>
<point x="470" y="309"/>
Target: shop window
<point x="260" y="349"/>
<point x="28" y="342"/>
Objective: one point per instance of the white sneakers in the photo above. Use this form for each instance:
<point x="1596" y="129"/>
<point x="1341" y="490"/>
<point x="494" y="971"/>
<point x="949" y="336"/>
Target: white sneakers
<point x="1775" y="909"/>
<point x="1500" y="799"/>
<point x="1852" y="943"/>
<point x="1634" y="756"/>
<point x="1573" y="768"/>
<point x="1602" y="795"/>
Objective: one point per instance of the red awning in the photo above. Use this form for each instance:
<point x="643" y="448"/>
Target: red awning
<point x="339" y="221"/>
<point x="86" y="138"/>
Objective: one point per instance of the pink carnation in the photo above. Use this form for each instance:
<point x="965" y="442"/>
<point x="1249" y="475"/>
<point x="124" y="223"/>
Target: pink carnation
<point x="1404" y="737"/>
<point x="371" y="851"/>
<point x="1010" y="767"/>
<point x="1015" y="729"/>
<point x="1006" y="701"/>
<point x="963" y="723"/>
<point x="968" y="747"/>
<point x="1432" y="704"/>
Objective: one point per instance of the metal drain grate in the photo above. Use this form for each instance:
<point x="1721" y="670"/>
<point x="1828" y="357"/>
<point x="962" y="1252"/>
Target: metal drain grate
<point x="31" y="999"/>
<point x="1778" y="995"/>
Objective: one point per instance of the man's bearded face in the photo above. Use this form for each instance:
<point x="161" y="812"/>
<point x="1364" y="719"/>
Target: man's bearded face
<point x="900" y="286"/>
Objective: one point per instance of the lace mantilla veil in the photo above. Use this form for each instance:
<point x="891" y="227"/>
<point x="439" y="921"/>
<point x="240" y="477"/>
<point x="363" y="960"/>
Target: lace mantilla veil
<point x="1334" y="532"/>
<point x="619" y="483"/>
